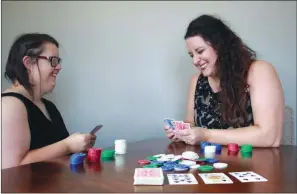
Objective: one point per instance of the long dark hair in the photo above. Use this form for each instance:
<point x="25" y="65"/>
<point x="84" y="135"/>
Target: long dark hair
<point x="233" y="62"/>
<point x="30" y="44"/>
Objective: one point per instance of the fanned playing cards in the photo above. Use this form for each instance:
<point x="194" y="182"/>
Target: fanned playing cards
<point x="177" y="124"/>
<point x="148" y="176"/>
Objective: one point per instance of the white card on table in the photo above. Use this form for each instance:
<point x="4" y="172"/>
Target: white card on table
<point x="182" y="179"/>
<point x="215" y="178"/>
<point x="248" y="176"/>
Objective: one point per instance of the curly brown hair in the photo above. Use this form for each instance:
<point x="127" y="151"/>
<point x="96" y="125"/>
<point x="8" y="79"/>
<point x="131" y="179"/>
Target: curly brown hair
<point x="233" y="62"/>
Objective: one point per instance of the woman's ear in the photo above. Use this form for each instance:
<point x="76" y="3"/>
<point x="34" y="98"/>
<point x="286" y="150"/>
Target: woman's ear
<point x="28" y="62"/>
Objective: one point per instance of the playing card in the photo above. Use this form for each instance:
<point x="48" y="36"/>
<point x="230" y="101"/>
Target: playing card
<point x="148" y="176"/>
<point x="186" y="126"/>
<point x="182" y="179"/>
<point x="96" y="129"/>
<point x="178" y="124"/>
<point x="215" y="178"/>
<point x="248" y="176"/>
<point x="169" y="121"/>
<point x="148" y="173"/>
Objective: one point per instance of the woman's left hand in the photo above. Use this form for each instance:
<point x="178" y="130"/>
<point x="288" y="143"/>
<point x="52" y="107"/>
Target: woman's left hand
<point x="192" y="136"/>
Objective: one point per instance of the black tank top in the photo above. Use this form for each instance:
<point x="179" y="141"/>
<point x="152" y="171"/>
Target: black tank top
<point x="43" y="131"/>
<point x="207" y="107"/>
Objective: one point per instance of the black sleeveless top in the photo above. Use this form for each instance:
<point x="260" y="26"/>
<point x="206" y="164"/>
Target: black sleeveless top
<point x="43" y="131"/>
<point x="207" y="107"/>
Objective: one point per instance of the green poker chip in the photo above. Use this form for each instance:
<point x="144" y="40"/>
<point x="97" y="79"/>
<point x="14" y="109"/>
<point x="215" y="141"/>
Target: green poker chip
<point x="205" y="168"/>
<point x="246" y="148"/>
<point x="150" y="166"/>
<point x="201" y="159"/>
<point x="151" y="158"/>
<point x="107" y="154"/>
<point x="246" y="154"/>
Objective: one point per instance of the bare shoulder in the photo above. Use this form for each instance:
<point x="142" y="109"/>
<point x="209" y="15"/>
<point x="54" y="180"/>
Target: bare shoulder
<point x="13" y="109"/>
<point x="262" y="71"/>
<point x="194" y="79"/>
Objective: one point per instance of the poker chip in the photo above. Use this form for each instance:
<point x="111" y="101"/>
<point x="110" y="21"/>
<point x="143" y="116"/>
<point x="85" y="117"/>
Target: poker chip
<point x="187" y="162"/>
<point x="167" y="168"/>
<point x="107" y="154"/>
<point x="203" y="144"/>
<point x="169" y="163"/>
<point x="151" y="158"/>
<point x="77" y="158"/>
<point x="205" y="168"/>
<point x="157" y="163"/>
<point x="180" y="167"/>
<point x="195" y="166"/>
<point x="220" y="165"/>
<point x="233" y="147"/>
<point x="246" y="148"/>
<point x="163" y="159"/>
<point x="176" y="158"/>
<point x="143" y="162"/>
<point x="246" y="154"/>
<point x="170" y="156"/>
<point x="211" y="160"/>
<point x="150" y="166"/>
<point x="94" y="154"/>
<point x="189" y="155"/>
<point x="159" y="155"/>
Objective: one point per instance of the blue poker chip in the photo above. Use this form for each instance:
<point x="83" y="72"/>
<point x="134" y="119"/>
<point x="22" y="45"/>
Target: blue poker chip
<point x="77" y="158"/>
<point x="181" y="167"/>
<point x="170" y="163"/>
<point x="167" y="168"/>
<point x="157" y="163"/>
<point x="203" y="144"/>
<point x="211" y="160"/>
<point x="218" y="146"/>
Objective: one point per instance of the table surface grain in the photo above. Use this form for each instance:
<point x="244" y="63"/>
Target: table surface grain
<point x="278" y="165"/>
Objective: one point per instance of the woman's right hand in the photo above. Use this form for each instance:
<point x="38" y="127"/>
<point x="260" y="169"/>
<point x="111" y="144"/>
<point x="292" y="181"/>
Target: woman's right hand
<point x="170" y="134"/>
<point x="79" y="142"/>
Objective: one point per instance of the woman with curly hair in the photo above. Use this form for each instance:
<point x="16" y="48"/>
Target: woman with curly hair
<point x="234" y="98"/>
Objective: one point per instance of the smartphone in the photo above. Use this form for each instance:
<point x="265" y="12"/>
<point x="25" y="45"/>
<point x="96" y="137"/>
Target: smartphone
<point x="96" y="129"/>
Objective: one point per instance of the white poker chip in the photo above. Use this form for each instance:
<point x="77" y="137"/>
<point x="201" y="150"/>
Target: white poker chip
<point x="163" y="159"/>
<point x="169" y="156"/>
<point x="195" y="166"/>
<point x="188" y="162"/>
<point x="176" y="158"/>
<point x="190" y="155"/>
<point x="220" y="165"/>
<point x="159" y="155"/>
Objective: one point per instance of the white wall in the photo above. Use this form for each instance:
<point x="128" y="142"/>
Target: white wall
<point x="125" y="63"/>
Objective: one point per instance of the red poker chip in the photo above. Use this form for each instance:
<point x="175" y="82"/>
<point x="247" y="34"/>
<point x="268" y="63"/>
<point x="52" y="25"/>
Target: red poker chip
<point x="142" y="162"/>
<point x="234" y="147"/>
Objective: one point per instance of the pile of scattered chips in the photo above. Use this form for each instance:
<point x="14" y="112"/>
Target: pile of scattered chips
<point x="181" y="163"/>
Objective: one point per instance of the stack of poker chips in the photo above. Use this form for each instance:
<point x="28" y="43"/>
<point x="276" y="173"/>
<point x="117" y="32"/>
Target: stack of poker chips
<point x="77" y="158"/>
<point x="233" y="149"/>
<point x="107" y="155"/>
<point x="218" y="147"/>
<point x="94" y="154"/>
<point x="210" y="151"/>
<point x="246" y="150"/>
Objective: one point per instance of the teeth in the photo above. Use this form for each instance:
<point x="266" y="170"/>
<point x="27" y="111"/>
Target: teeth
<point x="203" y="66"/>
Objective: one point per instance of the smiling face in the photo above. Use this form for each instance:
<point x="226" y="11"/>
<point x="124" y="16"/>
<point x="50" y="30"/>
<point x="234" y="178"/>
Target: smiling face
<point x="203" y="55"/>
<point x="44" y="70"/>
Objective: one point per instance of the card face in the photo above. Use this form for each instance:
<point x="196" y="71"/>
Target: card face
<point x="182" y="179"/>
<point x="96" y="129"/>
<point x="215" y="178"/>
<point x="248" y="176"/>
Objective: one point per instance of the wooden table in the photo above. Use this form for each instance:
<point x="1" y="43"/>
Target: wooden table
<point x="278" y="165"/>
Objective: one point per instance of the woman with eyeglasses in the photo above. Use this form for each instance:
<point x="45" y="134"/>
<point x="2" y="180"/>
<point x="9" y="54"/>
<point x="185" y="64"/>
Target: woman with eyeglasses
<point x="33" y="129"/>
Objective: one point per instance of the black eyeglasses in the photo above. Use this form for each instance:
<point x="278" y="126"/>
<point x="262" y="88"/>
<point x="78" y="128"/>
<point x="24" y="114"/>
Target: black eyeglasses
<point x="53" y="60"/>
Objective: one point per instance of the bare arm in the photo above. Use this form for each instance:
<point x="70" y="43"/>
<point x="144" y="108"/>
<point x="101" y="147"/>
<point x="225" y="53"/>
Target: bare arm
<point x="268" y="109"/>
<point x="16" y="137"/>
<point x="191" y="98"/>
